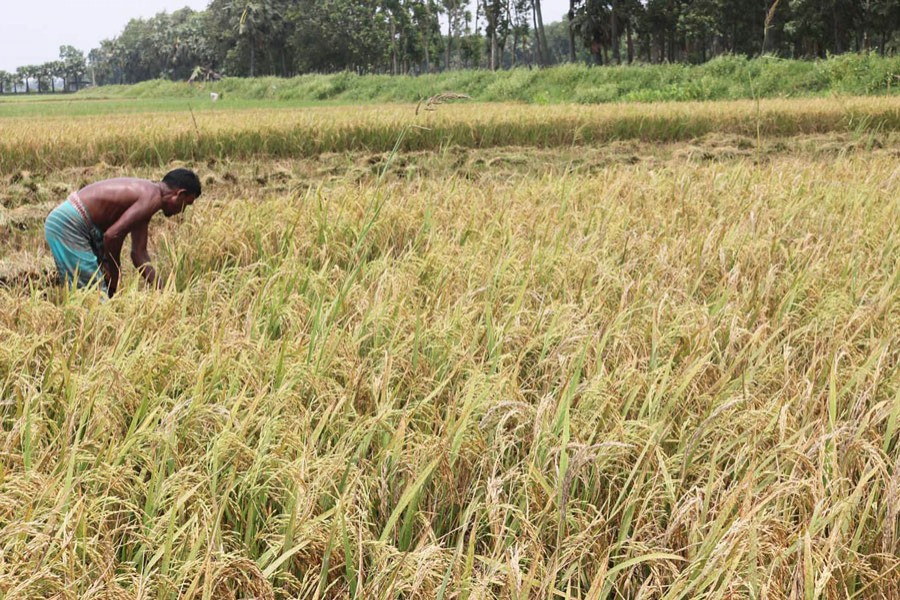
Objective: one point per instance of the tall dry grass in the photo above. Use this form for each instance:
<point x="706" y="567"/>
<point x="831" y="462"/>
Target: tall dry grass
<point x="662" y="380"/>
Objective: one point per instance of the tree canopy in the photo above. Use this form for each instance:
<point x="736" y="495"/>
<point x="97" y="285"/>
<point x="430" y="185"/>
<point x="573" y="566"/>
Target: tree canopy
<point x="289" y="37"/>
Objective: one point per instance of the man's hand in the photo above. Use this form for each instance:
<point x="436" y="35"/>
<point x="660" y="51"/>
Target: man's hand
<point x="111" y="273"/>
<point x="141" y="257"/>
<point x="149" y="274"/>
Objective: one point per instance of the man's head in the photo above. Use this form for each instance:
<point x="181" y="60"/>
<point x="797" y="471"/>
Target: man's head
<point x="183" y="187"/>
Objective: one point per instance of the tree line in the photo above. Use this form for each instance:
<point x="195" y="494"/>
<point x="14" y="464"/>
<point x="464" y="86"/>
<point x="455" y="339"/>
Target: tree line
<point x="65" y="74"/>
<point x="288" y="37"/>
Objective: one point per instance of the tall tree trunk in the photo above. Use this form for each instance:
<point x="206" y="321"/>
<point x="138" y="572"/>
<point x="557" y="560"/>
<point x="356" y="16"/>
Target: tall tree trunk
<point x="769" y="16"/>
<point x="537" y="37"/>
<point x="571" y="31"/>
<point x="449" y="38"/>
<point x="515" y="47"/>
<point x="614" y="33"/>
<point x="252" y="57"/>
<point x="490" y="13"/>
<point x="495" y="50"/>
<point x="838" y="47"/>
<point x="509" y="19"/>
<point x="629" y="34"/>
<point x="395" y="60"/>
<point x="542" y="35"/>
<point x="863" y="37"/>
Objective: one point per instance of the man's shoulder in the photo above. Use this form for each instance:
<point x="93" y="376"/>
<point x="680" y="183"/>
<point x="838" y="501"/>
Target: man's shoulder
<point x="121" y="186"/>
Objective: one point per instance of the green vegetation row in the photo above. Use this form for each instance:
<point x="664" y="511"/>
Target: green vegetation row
<point x="724" y="78"/>
<point x="158" y="139"/>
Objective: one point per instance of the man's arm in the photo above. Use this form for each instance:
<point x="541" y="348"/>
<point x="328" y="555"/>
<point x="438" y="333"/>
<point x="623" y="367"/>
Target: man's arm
<point x="141" y="257"/>
<point x="137" y="216"/>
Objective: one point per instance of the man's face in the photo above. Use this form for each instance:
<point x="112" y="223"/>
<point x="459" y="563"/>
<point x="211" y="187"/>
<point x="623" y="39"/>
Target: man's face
<point x="175" y="202"/>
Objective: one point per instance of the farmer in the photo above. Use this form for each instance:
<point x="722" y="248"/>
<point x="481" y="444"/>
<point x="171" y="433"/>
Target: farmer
<point x="86" y="231"/>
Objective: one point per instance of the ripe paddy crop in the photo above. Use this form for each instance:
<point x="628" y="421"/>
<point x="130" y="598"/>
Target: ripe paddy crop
<point x="213" y="134"/>
<point x="625" y="370"/>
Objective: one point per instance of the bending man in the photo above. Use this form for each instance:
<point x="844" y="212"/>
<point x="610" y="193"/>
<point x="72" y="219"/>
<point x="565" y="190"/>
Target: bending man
<point x="86" y="231"/>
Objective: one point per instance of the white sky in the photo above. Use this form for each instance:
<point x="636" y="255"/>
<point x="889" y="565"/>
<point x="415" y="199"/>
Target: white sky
<point x="553" y="10"/>
<point x="31" y="31"/>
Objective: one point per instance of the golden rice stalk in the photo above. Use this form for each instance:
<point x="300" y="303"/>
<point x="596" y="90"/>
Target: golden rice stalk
<point x="441" y="98"/>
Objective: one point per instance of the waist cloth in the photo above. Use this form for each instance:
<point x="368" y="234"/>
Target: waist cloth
<point x="76" y="244"/>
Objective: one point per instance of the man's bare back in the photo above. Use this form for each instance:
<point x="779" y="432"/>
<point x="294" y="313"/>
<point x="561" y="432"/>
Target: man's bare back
<point x="107" y="201"/>
<point x="123" y="206"/>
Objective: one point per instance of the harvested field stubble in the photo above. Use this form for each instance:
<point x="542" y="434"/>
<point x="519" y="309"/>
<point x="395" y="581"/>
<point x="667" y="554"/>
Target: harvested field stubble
<point x="654" y="377"/>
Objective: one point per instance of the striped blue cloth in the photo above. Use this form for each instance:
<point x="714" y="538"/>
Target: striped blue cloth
<point x="76" y="244"/>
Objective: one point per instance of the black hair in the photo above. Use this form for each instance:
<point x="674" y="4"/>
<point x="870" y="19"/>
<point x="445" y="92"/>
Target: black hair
<point x="183" y="179"/>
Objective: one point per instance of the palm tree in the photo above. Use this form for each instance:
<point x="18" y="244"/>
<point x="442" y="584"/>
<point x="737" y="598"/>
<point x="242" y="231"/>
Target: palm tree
<point x="57" y="71"/>
<point x="5" y="77"/>
<point x="74" y="64"/>
<point x="23" y="74"/>
<point x="44" y="72"/>
<point x="251" y="19"/>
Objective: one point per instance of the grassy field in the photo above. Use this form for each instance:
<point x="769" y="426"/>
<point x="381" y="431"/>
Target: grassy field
<point x="729" y="78"/>
<point x="723" y="78"/>
<point x="621" y="352"/>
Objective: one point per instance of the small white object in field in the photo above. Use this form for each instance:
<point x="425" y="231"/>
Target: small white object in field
<point x="213" y="96"/>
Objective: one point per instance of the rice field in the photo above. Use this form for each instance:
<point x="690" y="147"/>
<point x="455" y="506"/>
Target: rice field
<point x="487" y="351"/>
<point x="159" y="136"/>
